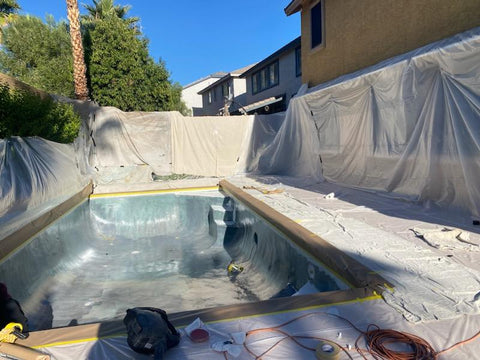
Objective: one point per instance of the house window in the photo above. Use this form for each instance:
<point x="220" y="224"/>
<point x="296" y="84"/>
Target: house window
<point x="317" y="24"/>
<point x="265" y="78"/>
<point x="225" y="89"/>
<point x="211" y="96"/>
<point x="298" y="61"/>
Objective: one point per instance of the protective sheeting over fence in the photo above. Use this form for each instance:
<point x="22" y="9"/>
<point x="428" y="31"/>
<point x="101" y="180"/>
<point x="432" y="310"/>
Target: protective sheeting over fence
<point x="409" y="126"/>
<point x="133" y="138"/>
<point x="209" y="145"/>
<point x="128" y="147"/>
<point x="35" y="173"/>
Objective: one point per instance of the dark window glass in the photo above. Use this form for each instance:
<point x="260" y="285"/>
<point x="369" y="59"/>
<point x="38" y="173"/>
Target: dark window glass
<point x="298" y="61"/>
<point x="275" y="74"/>
<point x="225" y="89"/>
<point x="272" y="76"/>
<point x="265" y="78"/>
<point x="317" y="36"/>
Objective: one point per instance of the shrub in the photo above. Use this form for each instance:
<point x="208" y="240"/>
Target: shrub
<point x="23" y="113"/>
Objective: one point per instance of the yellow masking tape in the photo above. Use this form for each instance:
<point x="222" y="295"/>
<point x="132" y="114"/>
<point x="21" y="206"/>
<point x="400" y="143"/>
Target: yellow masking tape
<point x="152" y="192"/>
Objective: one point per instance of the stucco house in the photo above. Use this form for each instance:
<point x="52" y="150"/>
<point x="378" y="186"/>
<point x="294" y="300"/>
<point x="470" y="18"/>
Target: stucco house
<point x="190" y="92"/>
<point x="342" y="36"/>
<point x="273" y="81"/>
<point x="226" y="95"/>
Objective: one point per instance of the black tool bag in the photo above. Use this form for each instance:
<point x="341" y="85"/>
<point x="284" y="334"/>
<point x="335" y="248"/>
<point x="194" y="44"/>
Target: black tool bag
<point x="149" y="331"/>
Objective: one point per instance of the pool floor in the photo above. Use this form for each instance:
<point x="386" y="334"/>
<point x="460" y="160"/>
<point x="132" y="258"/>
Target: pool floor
<point x="80" y="296"/>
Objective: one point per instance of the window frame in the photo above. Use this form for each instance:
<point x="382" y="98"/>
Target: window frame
<point x="321" y="44"/>
<point x="265" y="74"/>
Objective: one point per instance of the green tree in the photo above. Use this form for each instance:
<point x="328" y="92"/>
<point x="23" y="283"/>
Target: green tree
<point x="23" y="113"/>
<point x="39" y="54"/>
<point x="121" y="72"/>
<point x="177" y="102"/>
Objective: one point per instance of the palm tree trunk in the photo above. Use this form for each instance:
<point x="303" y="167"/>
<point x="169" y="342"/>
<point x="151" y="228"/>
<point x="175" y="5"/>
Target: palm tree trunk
<point x="79" y="68"/>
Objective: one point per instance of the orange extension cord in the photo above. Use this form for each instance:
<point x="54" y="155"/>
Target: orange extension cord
<point x="377" y="341"/>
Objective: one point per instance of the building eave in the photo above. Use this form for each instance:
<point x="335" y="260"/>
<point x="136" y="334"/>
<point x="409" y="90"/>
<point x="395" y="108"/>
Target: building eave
<point x="294" y="7"/>
<point x="218" y="82"/>
<point x="291" y="46"/>
<point x="211" y="76"/>
<point x="231" y="75"/>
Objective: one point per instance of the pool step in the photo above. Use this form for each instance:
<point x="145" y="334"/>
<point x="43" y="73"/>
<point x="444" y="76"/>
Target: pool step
<point x="221" y="222"/>
<point x="222" y="212"/>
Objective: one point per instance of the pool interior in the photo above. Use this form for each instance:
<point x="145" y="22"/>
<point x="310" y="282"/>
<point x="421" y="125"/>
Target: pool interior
<point x="175" y="251"/>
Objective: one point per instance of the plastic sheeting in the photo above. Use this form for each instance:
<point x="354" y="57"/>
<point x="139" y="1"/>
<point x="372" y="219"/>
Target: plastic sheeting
<point x="129" y="147"/>
<point x="409" y="125"/>
<point x="35" y="174"/>
<point x="317" y="322"/>
<point x="427" y="284"/>
<point x="209" y="145"/>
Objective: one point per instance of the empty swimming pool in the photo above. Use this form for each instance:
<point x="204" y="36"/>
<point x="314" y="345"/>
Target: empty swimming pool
<point x="165" y="250"/>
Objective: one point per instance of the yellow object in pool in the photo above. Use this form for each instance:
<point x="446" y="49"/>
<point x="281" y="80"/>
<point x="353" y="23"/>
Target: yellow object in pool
<point x="234" y="269"/>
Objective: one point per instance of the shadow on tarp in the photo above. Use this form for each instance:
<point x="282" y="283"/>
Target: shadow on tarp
<point x="389" y="204"/>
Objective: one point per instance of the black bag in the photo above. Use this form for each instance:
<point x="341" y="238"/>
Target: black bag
<point x="149" y="331"/>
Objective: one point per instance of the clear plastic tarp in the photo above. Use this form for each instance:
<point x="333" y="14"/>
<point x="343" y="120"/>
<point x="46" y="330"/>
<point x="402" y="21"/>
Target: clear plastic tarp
<point x="129" y="147"/>
<point x="307" y="325"/>
<point x="409" y="126"/>
<point x="35" y="174"/>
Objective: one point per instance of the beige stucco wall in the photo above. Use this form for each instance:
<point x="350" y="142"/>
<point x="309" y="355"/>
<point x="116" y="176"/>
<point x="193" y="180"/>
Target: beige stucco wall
<point x="360" y="33"/>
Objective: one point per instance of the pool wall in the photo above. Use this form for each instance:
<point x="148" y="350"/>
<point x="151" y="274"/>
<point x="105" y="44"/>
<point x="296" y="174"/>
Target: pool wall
<point x="274" y="263"/>
<point x="102" y="224"/>
<point x="340" y="264"/>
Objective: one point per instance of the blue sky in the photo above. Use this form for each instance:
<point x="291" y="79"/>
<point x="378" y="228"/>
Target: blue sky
<point x="198" y="37"/>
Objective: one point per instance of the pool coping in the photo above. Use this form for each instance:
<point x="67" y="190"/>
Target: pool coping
<point x="116" y="329"/>
<point x="13" y="241"/>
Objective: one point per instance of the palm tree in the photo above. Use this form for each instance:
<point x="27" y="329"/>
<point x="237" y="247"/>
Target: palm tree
<point x="8" y="7"/>
<point x="102" y="9"/>
<point x="79" y="68"/>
